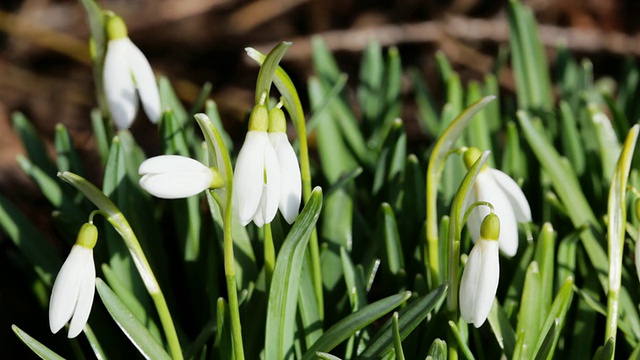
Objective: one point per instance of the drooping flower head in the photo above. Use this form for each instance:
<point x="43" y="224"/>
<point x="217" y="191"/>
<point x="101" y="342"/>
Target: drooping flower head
<point x="507" y="198"/>
<point x="256" y="179"/>
<point x="481" y="274"/>
<point x="176" y="177"/>
<point x="291" y="184"/>
<point x="126" y="70"/>
<point x="74" y="287"/>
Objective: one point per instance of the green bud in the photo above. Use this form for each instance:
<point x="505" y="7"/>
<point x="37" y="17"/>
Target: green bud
<point x="259" y="120"/>
<point x="87" y="236"/>
<point x="490" y="228"/>
<point x="471" y="156"/>
<point x="277" y="121"/>
<point x="116" y="28"/>
<point x="217" y="181"/>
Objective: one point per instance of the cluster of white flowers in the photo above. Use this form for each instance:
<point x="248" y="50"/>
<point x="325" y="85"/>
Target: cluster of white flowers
<point x="267" y="174"/>
<point x="491" y="230"/>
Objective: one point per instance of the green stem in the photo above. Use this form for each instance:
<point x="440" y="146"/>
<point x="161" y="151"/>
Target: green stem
<point x="611" y="328"/>
<point x="432" y="263"/>
<point x="269" y="255"/>
<point x="230" y="273"/>
<point x="305" y="173"/>
<point x="124" y="229"/>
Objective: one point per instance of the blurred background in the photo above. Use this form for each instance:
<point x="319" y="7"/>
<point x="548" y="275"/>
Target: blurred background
<point x="45" y="73"/>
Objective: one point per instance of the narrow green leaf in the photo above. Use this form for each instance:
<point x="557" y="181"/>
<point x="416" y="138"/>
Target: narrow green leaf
<point x="462" y="345"/>
<point x="370" y="88"/>
<point x="428" y="118"/>
<point x="268" y="70"/>
<point x="36" y="150"/>
<point x="283" y="295"/>
<point x="550" y="330"/>
<point x="38" y="348"/>
<point x="67" y="156"/>
<point x="129" y="324"/>
<point x="397" y="341"/>
<point x="100" y="134"/>
<point x="395" y="259"/>
<point x="33" y="244"/>
<point x="607" y="141"/>
<point x="529" y="319"/>
<point x="326" y="356"/>
<point x="478" y="132"/>
<point x="356" y="290"/>
<point x="438" y="350"/>
<point x="570" y="138"/>
<point x="223" y="334"/>
<point x="353" y="322"/>
<point x="545" y="258"/>
<point x="410" y="317"/>
<point x="606" y="352"/>
<point x="501" y="328"/>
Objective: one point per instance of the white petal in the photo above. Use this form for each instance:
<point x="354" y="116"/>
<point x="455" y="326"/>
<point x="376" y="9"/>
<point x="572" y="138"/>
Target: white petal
<point x="479" y="282"/>
<point x="66" y="288"/>
<point x="273" y="186"/>
<point x="259" y="217"/>
<point x="174" y="177"/>
<point x="177" y="185"/>
<point x="145" y="81"/>
<point x="489" y="190"/>
<point x="170" y="163"/>
<point x="85" y="299"/>
<point x="248" y="176"/>
<point x="515" y="195"/>
<point x="291" y="189"/>
<point x="118" y="84"/>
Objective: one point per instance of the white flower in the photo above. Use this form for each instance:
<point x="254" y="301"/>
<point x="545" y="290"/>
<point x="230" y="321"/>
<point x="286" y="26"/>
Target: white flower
<point x="481" y="274"/>
<point x="126" y="70"/>
<point x="175" y="177"/>
<point x="291" y="184"/>
<point x="508" y="201"/>
<point x="256" y="180"/>
<point x="74" y="287"/>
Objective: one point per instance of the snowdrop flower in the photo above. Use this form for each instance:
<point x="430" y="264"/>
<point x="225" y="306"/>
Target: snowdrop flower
<point x="176" y="177"/>
<point x="291" y="185"/>
<point x="256" y="179"/>
<point x="481" y="274"/>
<point x="508" y="201"/>
<point x="74" y="287"/>
<point x="126" y="70"/>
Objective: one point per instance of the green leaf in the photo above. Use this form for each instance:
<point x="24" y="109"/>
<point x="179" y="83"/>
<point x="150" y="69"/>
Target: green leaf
<point x="326" y="356"/>
<point x="353" y="322"/>
<point x="529" y="319"/>
<point x="129" y="324"/>
<point x="410" y="317"/>
<point x="67" y="156"/>
<point x="35" y="148"/>
<point x="268" y="70"/>
<point x="550" y="330"/>
<point x="570" y="138"/>
<point x="283" y="295"/>
<point x="393" y="246"/>
<point x="428" y="114"/>
<point x="545" y="258"/>
<point x="501" y="328"/>
<point x="607" y="141"/>
<point x="397" y="341"/>
<point x="438" y="350"/>
<point x="370" y="83"/>
<point x="461" y="343"/>
<point x="38" y="250"/>
<point x="617" y="214"/>
<point x="606" y="351"/>
<point x="42" y="351"/>
<point x="97" y="27"/>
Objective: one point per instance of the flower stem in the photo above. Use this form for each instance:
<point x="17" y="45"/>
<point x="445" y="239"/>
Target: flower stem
<point x="230" y="273"/>
<point x="269" y="255"/>
<point x="305" y="174"/>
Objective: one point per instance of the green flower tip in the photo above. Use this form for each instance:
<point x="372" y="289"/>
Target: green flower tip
<point x="277" y="121"/>
<point x="471" y="156"/>
<point x="217" y="181"/>
<point x="490" y="228"/>
<point x="259" y="120"/>
<point x="116" y="28"/>
<point x="87" y="236"/>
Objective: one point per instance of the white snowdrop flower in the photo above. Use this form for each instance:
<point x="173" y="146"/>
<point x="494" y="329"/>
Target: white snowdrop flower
<point x="256" y="179"/>
<point x="291" y="184"/>
<point x="126" y="70"/>
<point x="74" y="287"/>
<point x="176" y="177"/>
<point x="481" y="274"/>
<point x="508" y="201"/>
